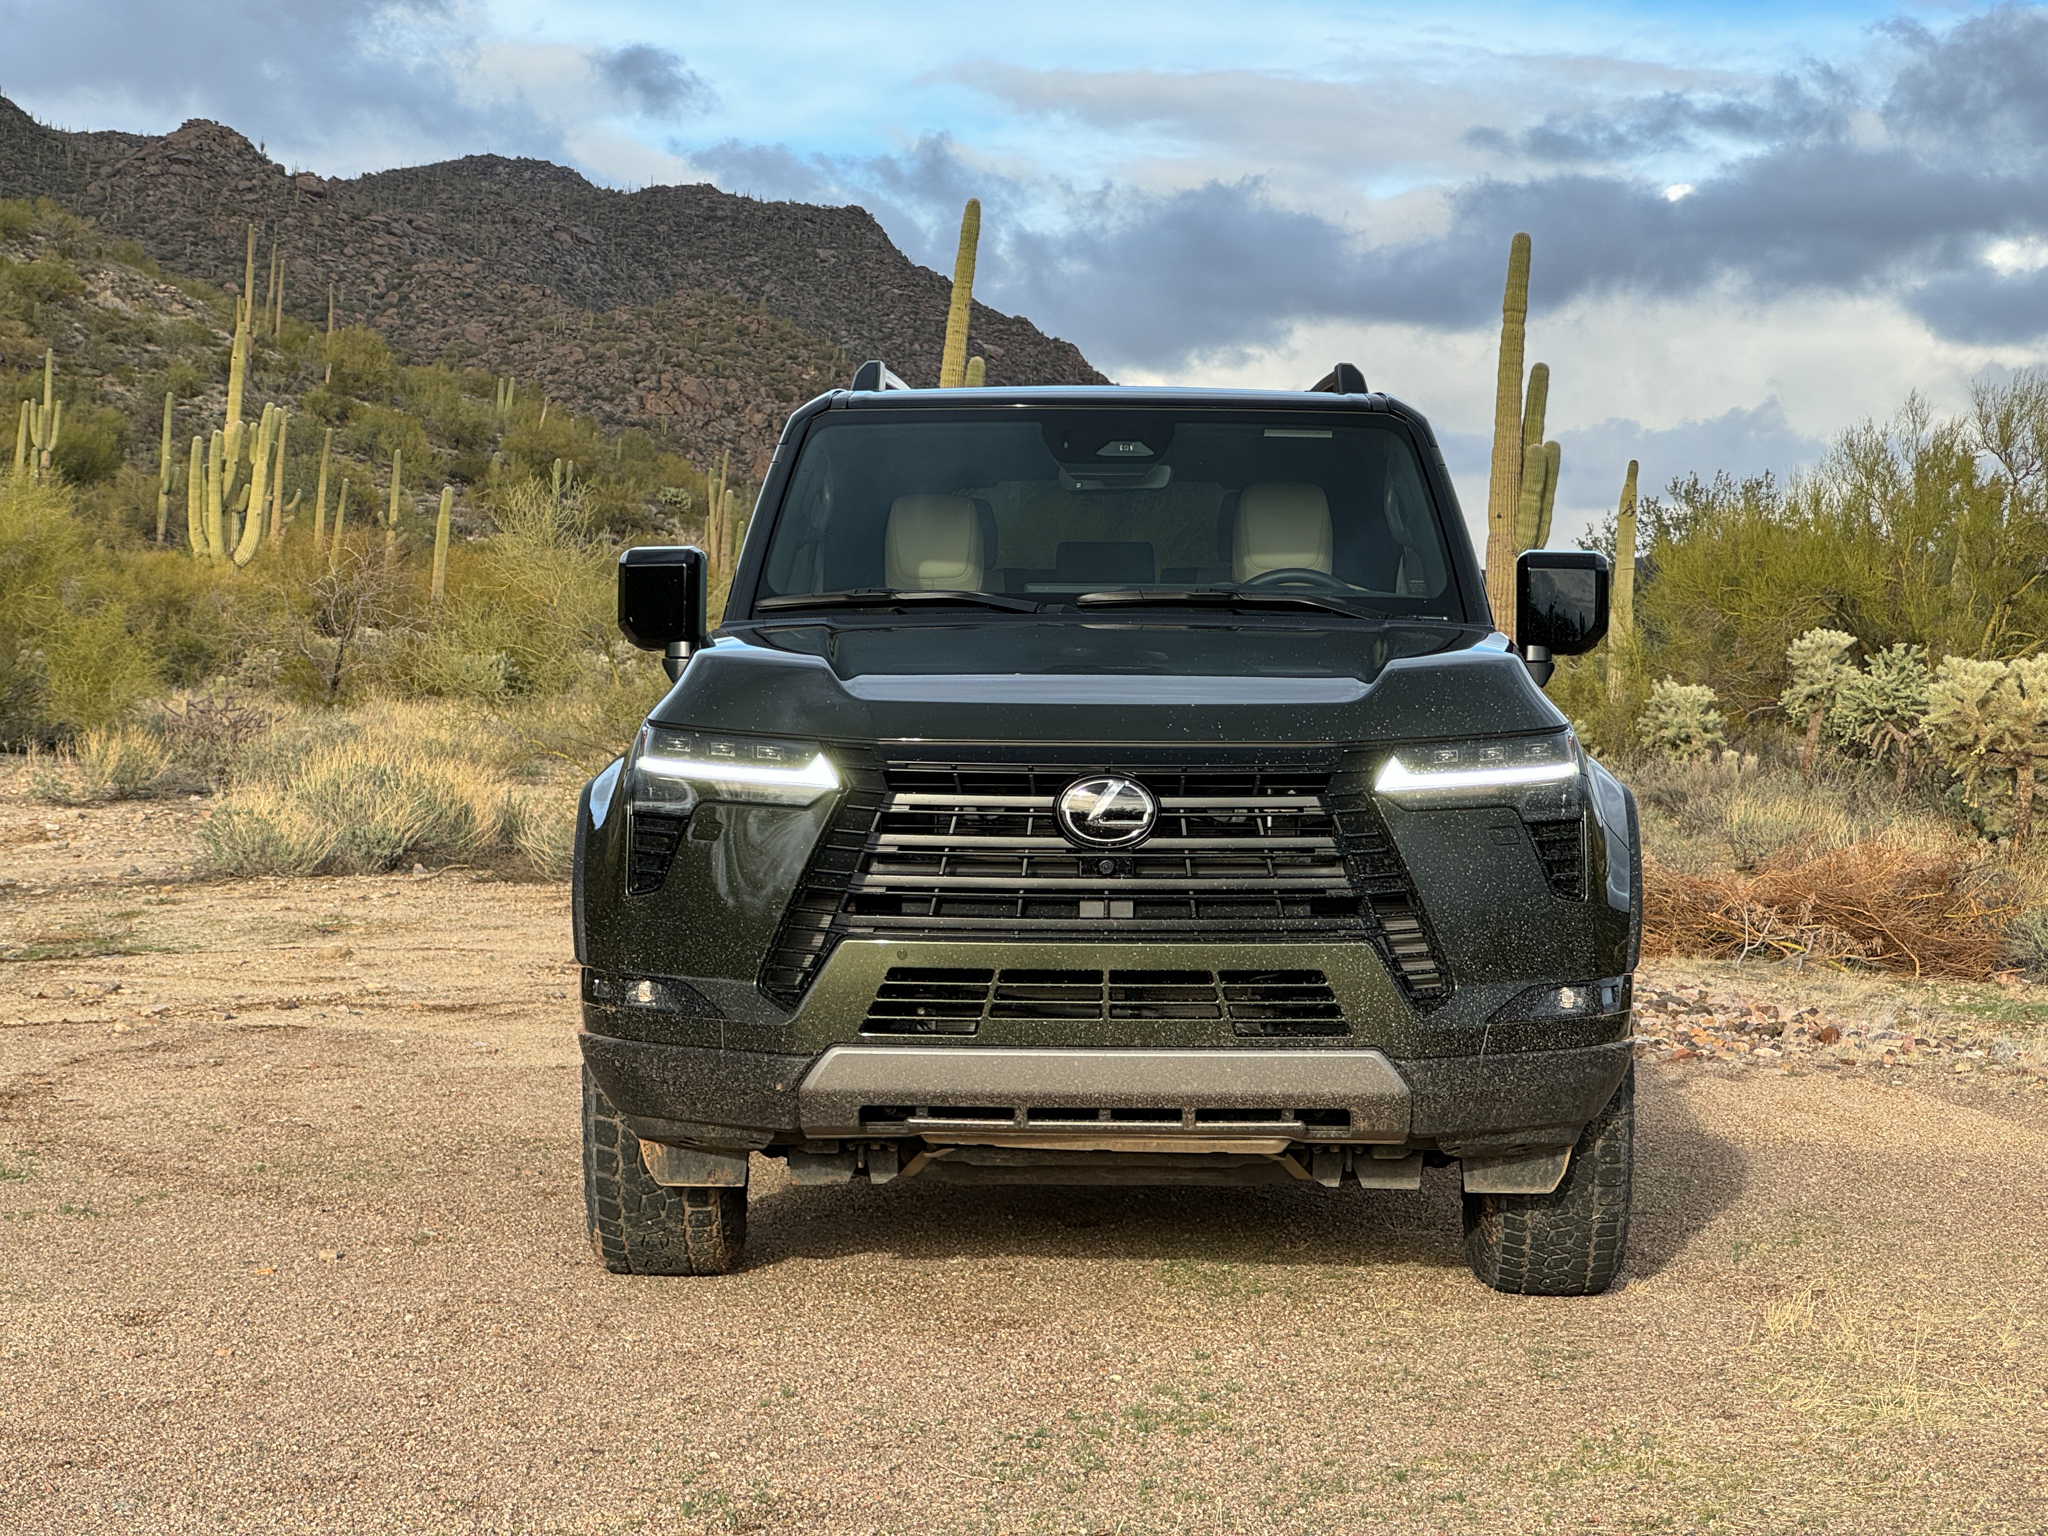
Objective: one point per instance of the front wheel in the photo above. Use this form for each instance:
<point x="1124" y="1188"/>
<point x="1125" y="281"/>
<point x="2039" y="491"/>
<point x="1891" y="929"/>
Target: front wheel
<point x="1570" y="1242"/>
<point x="640" y="1227"/>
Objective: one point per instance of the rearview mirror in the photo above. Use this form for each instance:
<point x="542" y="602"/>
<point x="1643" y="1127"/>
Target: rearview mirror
<point x="1560" y="600"/>
<point x="661" y="601"/>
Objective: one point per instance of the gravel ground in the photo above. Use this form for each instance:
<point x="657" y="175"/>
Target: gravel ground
<point x="291" y="1240"/>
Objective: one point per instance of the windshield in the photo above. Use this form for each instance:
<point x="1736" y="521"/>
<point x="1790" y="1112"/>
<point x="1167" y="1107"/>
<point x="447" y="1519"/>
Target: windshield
<point x="1080" y="508"/>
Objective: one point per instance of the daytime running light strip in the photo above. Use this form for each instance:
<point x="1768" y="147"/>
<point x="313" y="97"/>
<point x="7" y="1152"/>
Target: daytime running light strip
<point x="1397" y="777"/>
<point x="818" y="773"/>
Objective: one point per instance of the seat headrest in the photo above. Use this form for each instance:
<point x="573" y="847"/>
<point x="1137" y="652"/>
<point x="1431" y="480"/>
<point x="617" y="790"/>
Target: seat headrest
<point x="933" y="542"/>
<point x="1281" y="524"/>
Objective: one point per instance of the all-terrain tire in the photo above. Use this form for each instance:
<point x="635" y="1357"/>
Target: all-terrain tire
<point x="1572" y="1241"/>
<point x="639" y="1227"/>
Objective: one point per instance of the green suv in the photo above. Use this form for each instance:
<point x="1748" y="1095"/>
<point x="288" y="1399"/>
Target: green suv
<point x="1109" y="786"/>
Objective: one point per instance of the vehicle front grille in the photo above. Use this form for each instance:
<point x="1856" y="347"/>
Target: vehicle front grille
<point x="947" y="1000"/>
<point x="653" y="849"/>
<point x="1242" y="852"/>
<point x="1561" y="845"/>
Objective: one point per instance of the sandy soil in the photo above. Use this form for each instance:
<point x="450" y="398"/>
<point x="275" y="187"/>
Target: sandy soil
<point x="291" y="1239"/>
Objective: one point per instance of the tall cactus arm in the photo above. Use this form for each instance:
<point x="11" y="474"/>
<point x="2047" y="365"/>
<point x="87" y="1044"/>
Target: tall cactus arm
<point x="953" y="361"/>
<point x="1504" y="488"/>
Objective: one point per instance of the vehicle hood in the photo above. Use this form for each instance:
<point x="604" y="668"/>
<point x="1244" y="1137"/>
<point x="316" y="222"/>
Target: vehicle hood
<point x="1110" y="681"/>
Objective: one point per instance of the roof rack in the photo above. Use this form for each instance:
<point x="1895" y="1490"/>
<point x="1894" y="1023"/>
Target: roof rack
<point x="1344" y="379"/>
<point x="874" y="374"/>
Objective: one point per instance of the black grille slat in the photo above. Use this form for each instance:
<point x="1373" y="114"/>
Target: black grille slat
<point x="652" y="850"/>
<point x="962" y="850"/>
<point x="1561" y="845"/>
<point x="943" y="1000"/>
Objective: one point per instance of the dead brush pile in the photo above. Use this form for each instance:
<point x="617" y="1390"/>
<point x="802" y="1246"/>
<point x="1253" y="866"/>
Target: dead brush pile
<point x="1890" y="904"/>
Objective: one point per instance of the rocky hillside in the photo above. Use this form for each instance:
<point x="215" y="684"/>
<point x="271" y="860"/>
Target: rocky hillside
<point x="647" y="309"/>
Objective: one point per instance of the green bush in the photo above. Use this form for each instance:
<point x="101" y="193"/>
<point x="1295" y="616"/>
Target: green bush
<point x="42" y="281"/>
<point x="362" y="363"/>
<point x="92" y="445"/>
<point x="17" y="218"/>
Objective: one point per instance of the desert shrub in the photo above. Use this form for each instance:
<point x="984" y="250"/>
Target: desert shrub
<point x="91" y="447"/>
<point x="44" y="280"/>
<point x="1895" y="904"/>
<point x="392" y="785"/>
<point x="532" y="611"/>
<point x="362" y="363"/>
<point x="17" y="218"/>
<point x="2026" y="942"/>
<point x="68" y="659"/>
<point x="1680" y="720"/>
<point x="109" y="763"/>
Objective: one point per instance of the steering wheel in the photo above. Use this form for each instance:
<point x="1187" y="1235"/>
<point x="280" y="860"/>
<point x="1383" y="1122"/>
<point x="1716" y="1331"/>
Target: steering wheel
<point x="1298" y="577"/>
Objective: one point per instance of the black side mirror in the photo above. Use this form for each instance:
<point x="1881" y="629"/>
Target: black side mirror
<point x="1560" y="605"/>
<point x="661" y="601"/>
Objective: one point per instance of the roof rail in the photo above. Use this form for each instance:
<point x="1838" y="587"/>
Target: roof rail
<point x="1344" y="379"/>
<point x="874" y="374"/>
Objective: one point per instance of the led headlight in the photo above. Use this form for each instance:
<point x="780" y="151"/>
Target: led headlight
<point x="687" y="766"/>
<point x="1508" y="768"/>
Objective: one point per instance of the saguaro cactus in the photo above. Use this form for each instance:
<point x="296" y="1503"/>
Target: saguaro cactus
<point x="195" y="498"/>
<point x="164" y="475"/>
<point x="259" y="480"/>
<point x="953" y="361"/>
<point x="441" y="542"/>
<point x="320" y="494"/>
<point x="977" y="371"/>
<point x="340" y="517"/>
<point x="1621" y="595"/>
<point x="277" y="485"/>
<point x="1553" y="461"/>
<point x="1504" y="488"/>
<point x="391" y="517"/>
<point x="21" y="441"/>
<point x="47" y="424"/>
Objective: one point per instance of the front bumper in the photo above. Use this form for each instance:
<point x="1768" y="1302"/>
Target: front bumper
<point x="1464" y="1106"/>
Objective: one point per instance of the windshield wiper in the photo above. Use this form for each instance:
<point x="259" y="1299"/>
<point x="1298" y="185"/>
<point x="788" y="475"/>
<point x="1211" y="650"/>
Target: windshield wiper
<point x="1211" y="597"/>
<point x="885" y="597"/>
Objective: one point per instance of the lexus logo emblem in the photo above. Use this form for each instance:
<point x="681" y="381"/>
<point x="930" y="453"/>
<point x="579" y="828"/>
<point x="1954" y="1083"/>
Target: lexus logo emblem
<point x="1107" y="812"/>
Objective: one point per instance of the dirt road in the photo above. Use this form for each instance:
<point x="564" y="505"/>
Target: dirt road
<point x="291" y="1240"/>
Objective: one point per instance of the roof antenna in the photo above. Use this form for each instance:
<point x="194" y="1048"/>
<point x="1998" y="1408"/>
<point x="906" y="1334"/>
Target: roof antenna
<point x="1344" y="379"/>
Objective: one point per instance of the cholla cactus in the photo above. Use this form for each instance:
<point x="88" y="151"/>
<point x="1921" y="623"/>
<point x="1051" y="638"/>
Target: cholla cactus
<point x="1819" y="662"/>
<point x="1680" y="719"/>
<point x="1884" y="708"/>
<point x="953" y="361"/>
<point x="1990" y="721"/>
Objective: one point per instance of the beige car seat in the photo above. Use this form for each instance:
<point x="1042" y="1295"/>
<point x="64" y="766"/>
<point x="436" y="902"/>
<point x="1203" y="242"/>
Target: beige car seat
<point x="933" y="542"/>
<point x="1281" y="524"/>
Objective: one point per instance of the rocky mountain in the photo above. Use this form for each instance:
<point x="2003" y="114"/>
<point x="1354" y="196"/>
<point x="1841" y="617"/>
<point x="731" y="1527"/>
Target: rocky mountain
<point x="632" y="307"/>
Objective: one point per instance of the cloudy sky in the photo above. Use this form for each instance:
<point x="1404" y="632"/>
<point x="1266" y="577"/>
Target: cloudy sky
<point x="1754" y="223"/>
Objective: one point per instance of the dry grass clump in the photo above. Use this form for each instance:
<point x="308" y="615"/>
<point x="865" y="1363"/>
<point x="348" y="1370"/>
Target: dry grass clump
<point x="383" y="788"/>
<point x="1895" y="904"/>
<point x="106" y="763"/>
